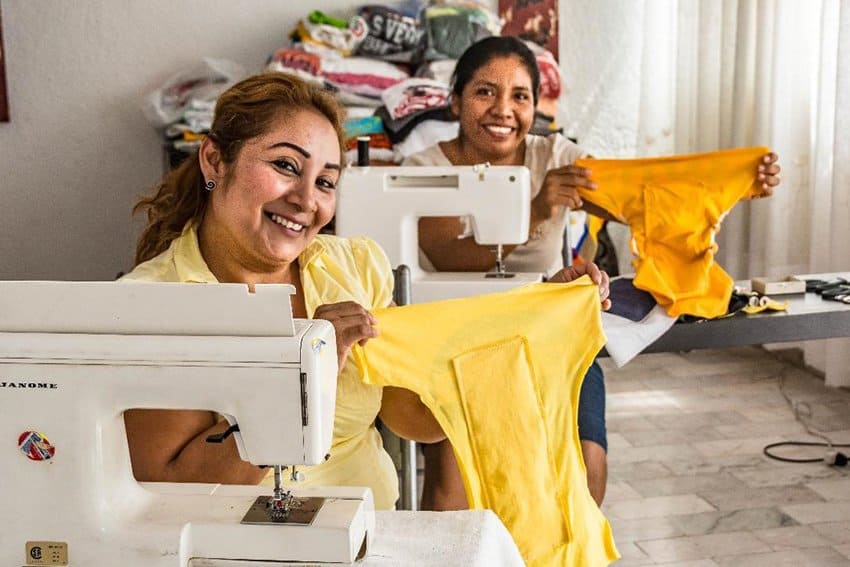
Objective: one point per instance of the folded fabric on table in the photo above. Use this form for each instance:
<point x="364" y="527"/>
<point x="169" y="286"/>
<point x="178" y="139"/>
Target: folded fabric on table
<point x="628" y="301"/>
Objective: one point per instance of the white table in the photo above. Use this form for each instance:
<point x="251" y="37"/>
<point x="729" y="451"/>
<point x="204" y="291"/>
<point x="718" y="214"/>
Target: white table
<point x="472" y="538"/>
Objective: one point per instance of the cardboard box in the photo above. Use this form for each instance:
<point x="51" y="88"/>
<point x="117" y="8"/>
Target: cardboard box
<point x="778" y="286"/>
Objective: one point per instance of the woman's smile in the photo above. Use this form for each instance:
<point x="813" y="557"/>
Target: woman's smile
<point x="287" y="225"/>
<point x="499" y="132"/>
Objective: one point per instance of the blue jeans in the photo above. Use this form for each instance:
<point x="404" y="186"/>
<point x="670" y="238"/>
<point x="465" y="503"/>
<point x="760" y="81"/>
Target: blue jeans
<point x="591" y="407"/>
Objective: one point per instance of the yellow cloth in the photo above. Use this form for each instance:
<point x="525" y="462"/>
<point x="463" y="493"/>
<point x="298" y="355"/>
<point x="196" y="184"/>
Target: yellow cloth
<point x="764" y="303"/>
<point x="502" y="375"/>
<point x="674" y="206"/>
<point x="332" y="270"/>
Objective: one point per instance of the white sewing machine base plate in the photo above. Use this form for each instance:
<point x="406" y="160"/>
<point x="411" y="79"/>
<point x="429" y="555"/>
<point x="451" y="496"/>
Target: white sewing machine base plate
<point x="303" y="512"/>
<point x="339" y="533"/>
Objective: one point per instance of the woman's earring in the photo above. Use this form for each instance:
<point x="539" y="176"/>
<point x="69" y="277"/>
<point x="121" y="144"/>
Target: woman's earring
<point x="209" y="185"/>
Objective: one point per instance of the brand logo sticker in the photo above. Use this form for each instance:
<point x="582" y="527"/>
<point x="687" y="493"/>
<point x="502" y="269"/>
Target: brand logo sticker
<point x="36" y="446"/>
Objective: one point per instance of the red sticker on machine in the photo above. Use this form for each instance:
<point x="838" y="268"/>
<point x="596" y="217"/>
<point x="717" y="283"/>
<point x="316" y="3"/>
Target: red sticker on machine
<point x="35" y="446"/>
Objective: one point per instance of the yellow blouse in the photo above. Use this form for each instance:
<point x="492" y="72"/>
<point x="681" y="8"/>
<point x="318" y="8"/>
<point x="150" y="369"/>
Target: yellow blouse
<point x="332" y="270"/>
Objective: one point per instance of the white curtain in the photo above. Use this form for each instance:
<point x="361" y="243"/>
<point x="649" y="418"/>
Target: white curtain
<point x="732" y="73"/>
<point x="829" y="246"/>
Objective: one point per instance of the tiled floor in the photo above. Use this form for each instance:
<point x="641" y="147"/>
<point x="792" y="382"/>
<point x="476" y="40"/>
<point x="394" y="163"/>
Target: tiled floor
<point x="688" y="484"/>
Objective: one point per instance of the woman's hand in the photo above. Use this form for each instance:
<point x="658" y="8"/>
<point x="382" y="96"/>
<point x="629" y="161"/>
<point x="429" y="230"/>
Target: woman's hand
<point x="768" y="174"/>
<point x="560" y="189"/>
<point x="597" y="276"/>
<point x="352" y="324"/>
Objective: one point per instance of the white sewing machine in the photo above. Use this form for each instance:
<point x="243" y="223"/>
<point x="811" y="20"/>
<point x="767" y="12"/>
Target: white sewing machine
<point x="386" y="203"/>
<point x="75" y="356"/>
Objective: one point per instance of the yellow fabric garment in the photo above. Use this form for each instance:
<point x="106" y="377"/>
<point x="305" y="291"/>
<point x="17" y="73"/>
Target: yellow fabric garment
<point x="332" y="270"/>
<point x="674" y="206"/>
<point x="502" y="375"/>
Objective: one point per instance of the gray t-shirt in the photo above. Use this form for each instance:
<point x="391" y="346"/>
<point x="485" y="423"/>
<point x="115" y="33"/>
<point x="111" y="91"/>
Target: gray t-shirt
<point x="542" y="252"/>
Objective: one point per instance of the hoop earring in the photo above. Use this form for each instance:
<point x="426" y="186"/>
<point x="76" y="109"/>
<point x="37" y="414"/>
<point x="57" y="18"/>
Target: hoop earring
<point x="209" y="185"/>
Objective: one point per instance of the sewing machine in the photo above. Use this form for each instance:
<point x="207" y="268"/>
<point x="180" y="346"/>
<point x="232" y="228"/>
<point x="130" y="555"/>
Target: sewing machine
<point x="386" y="203"/>
<point x="74" y="356"/>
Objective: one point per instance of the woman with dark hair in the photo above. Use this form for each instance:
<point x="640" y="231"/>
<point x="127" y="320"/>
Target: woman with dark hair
<point x="494" y="95"/>
<point x="248" y="209"/>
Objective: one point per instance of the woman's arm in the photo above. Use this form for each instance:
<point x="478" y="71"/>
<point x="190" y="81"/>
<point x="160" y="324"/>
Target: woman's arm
<point x="561" y="189"/>
<point x="438" y="239"/>
<point x="401" y="410"/>
<point x="170" y="446"/>
<point x="405" y="414"/>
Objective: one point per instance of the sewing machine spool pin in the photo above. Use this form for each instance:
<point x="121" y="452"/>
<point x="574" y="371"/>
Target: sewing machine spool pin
<point x="362" y="151"/>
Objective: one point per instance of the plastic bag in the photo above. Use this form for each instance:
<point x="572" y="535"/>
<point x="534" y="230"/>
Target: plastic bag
<point x="193" y="89"/>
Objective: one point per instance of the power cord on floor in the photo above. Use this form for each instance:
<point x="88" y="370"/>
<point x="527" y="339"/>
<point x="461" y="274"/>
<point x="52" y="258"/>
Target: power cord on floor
<point x="803" y="413"/>
<point x="832" y="457"/>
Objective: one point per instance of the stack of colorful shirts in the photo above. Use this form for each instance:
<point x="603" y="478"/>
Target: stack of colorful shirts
<point x="416" y="115"/>
<point x="389" y="65"/>
<point x="357" y="81"/>
<point x="368" y="62"/>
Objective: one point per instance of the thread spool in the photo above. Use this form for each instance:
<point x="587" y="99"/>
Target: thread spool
<point x="362" y="151"/>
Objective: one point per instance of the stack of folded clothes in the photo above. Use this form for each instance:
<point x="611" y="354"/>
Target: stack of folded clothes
<point x="390" y="65"/>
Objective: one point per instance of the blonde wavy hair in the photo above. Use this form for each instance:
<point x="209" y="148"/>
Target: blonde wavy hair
<point x="246" y="110"/>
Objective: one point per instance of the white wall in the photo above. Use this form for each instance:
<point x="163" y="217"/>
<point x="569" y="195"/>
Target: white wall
<point x="600" y="50"/>
<point x="78" y="151"/>
<point x="600" y="53"/>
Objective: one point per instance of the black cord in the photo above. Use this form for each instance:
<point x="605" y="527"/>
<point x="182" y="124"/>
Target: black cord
<point x="803" y="413"/>
<point x="767" y="448"/>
